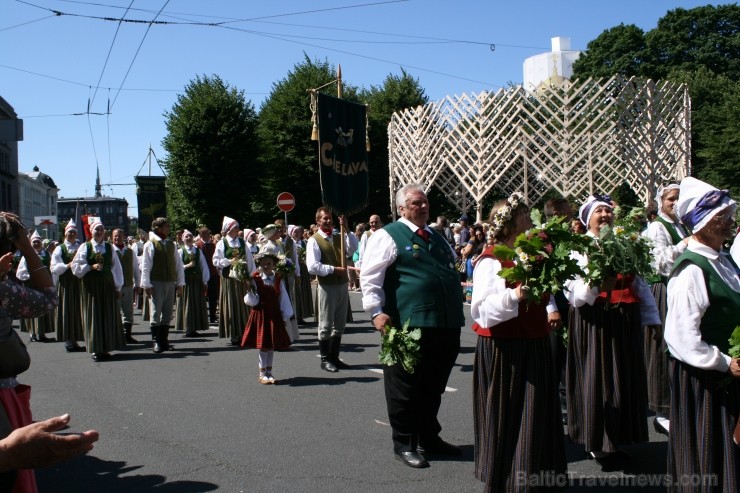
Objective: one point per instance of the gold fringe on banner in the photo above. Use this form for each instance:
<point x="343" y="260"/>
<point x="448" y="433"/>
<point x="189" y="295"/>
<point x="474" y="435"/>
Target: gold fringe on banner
<point x="314" y="116"/>
<point x="367" y="129"/>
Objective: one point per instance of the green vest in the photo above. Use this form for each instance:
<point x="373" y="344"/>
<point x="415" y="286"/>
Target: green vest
<point x="164" y="268"/>
<point x="105" y="258"/>
<point x="127" y="265"/>
<point x="330" y="255"/>
<point x="67" y="257"/>
<point x="723" y="313"/>
<point x="193" y="273"/>
<point x="289" y="247"/>
<point x="422" y="285"/>
<point x="671" y="228"/>
<point x="229" y="253"/>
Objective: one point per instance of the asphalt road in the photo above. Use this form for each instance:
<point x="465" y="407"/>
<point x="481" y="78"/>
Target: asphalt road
<point x="196" y="419"/>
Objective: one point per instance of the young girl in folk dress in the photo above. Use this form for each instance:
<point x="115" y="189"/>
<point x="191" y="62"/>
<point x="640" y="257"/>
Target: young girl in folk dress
<point x="271" y="310"/>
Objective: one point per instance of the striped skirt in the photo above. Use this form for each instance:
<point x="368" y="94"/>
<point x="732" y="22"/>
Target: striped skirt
<point x="516" y="412"/>
<point x="656" y="357"/>
<point x="303" y="292"/>
<point x="191" y="312"/>
<point x="232" y="310"/>
<point x="69" y="311"/>
<point x="605" y="375"/>
<point x="39" y="325"/>
<point x="101" y="316"/>
<point x="701" y="454"/>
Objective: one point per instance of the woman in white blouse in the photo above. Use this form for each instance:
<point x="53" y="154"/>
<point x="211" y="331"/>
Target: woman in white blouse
<point x="703" y="310"/>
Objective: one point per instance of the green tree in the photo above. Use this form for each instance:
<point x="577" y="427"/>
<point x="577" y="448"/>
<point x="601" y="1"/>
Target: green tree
<point x="288" y="155"/>
<point x="396" y="93"/>
<point x="212" y="149"/>
<point x="619" y="50"/>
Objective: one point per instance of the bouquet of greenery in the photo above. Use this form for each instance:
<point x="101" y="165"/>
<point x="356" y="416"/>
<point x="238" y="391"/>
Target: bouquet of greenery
<point x="302" y="254"/>
<point x="543" y="256"/>
<point x="632" y="219"/>
<point x="239" y="269"/>
<point x="619" y="251"/>
<point x="734" y="351"/>
<point x="285" y="266"/>
<point x="400" y="346"/>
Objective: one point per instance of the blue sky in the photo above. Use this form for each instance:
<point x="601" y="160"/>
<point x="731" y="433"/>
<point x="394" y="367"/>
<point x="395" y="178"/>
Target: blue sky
<point x="51" y="64"/>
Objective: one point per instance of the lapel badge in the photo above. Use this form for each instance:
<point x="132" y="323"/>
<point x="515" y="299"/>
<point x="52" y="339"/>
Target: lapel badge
<point x="416" y="255"/>
<point x="408" y="248"/>
<point x="416" y="247"/>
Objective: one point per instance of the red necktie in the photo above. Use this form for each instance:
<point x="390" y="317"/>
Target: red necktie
<point x="423" y="233"/>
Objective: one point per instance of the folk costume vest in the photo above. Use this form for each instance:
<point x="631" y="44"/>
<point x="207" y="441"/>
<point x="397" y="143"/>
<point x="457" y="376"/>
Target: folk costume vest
<point x="671" y="228"/>
<point x="193" y="273"/>
<point x="164" y="268"/>
<point x="422" y="285"/>
<point x="229" y="253"/>
<point x="126" y="257"/>
<point x="96" y="258"/>
<point x="67" y="257"/>
<point x="530" y="323"/>
<point x="723" y="313"/>
<point x="330" y="255"/>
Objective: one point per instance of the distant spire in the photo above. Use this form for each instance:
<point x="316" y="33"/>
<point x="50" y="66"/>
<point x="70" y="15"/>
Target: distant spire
<point x="97" y="184"/>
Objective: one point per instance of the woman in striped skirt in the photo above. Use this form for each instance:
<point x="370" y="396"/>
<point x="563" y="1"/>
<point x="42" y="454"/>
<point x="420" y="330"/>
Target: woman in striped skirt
<point x="37" y="327"/>
<point x="605" y="369"/>
<point x="304" y="294"/>
<point x="669" y="239"/>
<point x="191" y="313"/>
<point x="517" y="417"/>
<point x="703" y="310"/>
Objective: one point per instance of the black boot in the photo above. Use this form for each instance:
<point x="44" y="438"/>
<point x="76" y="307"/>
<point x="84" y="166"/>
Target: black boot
<point x="324" y="349"/>
<point x="164" y="331"/>
<point x="157" y="339"/>
<point x="129" y="339"/>
<point x="336" y="342"/>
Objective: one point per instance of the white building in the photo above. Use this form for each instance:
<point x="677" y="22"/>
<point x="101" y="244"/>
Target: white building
<point x="37" y="196"/>
<point x="552" y="67"/>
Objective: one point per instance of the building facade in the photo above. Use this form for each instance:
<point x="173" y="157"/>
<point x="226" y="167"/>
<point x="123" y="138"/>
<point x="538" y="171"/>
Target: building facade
<point x="550" y="68"/>
<point x="37" y="196"/>
<point x="112" y="211"/>
<point x="11" y="131"/>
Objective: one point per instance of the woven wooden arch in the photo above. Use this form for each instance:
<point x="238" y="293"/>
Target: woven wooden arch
<point x="575" y="138"/>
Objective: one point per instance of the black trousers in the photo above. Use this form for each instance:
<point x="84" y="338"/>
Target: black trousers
<point x="413" y="399"/>
<point x="213" y="292"/>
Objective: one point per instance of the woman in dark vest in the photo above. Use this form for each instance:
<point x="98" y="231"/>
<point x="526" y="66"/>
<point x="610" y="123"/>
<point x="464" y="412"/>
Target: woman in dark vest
<point x="37" y="327"/>
<point x="69" y="312"/>
<point x="518" y="433"/>
<point x="605" y="369"/>
<point x="102" y="278"/>
<point x="669" y="239"/>
<point x="703" y="310"/>
<point x="191" y="314"/>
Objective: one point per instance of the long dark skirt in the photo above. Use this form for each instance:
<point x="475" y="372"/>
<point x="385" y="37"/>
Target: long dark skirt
<point x="605" y="374"/>
<point x="702" y="456"/>
<point x="304" y="297"/>
<point x="69" y="311"/>
<point x="516" y="411"/>
<point x="191" y="311"/>
<point x="39" y="325"/>
<point x="233" y="312"/>
<point x="101" y="318"/>
<point x="656" y="357"/>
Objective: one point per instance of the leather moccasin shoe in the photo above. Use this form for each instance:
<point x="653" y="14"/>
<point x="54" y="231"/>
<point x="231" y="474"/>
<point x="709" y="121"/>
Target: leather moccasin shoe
<point x="412" y="459"/>
<point x="439" y="448"/>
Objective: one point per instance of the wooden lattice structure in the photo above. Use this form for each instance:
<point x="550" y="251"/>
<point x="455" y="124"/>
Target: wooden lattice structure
<point x="575" y="138"/>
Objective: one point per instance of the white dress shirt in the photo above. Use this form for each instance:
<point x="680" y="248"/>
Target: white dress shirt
<point x="664" y="251"/>
<point x="22" y="272"/>
<point x="687" y="302"/>
<point x="313" y="255"/>
<point x="58" y="266"/>
<point x="80" y="267"/>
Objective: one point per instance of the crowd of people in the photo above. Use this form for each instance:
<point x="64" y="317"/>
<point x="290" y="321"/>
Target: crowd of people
<point x="634" y="345"/>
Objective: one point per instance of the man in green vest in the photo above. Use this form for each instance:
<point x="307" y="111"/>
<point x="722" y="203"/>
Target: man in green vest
<point x="131" y="279"/>
<point x="324" y="260"/>
<point x="408" y="276"/>
<point x="162" y="277"/>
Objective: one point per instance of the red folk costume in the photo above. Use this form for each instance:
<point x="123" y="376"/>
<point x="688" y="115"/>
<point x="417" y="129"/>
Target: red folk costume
<point x="265" y="327"/>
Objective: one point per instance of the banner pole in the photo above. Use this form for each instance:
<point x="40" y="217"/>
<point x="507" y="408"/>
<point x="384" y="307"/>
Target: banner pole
<point x="343" y="260"/>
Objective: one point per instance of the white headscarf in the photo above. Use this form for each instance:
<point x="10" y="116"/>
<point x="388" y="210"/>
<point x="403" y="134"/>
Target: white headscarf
<point x="593" y="201"/>
<point x="699" y="202"/>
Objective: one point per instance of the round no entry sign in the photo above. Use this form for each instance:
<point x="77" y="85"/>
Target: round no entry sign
<point x="286" y="201"/>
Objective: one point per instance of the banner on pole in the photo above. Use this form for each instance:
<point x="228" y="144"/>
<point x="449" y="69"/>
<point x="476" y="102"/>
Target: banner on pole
<point x="151" y="198"/>
<point x="342" y="155"/>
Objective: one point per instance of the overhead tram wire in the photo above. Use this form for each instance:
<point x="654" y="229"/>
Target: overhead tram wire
<point x="27" y="23"/>
<point x="137" y="53"/>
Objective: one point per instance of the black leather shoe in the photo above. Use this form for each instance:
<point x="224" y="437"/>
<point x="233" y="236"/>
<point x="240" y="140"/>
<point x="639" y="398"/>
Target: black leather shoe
<point x="96" y="357"/>
<point x="33" y="338"/>
<point x="73" y="349"/>
<point x="328" y="366"/>
<point x="659" y="428"/>
<point x="412" y="459"/>
<point x="157" y="347"/>
<point x="439" y="448"/>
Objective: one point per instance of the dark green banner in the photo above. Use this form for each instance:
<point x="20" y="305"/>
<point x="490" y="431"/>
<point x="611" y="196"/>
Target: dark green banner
<point x="342" y="155"/>
<point x="151" y="196"/>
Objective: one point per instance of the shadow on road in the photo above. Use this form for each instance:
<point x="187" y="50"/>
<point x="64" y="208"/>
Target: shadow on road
<point x="89" y="473"/>
<point x="310" y="381"/>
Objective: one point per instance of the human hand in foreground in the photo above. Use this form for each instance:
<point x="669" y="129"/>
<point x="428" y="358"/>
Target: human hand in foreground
<point x="735" y="367"/>
<point x="36" y="445"/>
<point x="382" y="321"/>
